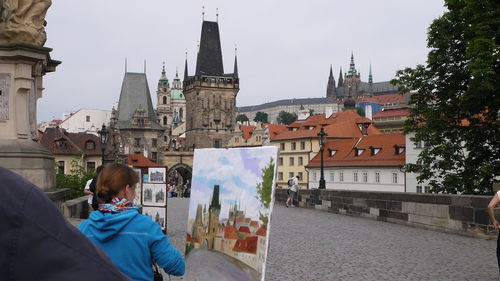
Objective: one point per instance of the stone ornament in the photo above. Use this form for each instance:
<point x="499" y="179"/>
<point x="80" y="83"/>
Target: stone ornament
<point x="23" y="21"/>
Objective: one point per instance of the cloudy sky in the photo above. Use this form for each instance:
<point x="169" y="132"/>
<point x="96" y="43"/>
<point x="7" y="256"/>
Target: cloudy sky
<point x="285" y="48"/>
<point x="236" y="171"/>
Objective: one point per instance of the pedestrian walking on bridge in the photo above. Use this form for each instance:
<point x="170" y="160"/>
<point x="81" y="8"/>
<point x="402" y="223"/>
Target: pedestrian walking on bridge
<point x="293" y="189"/>
<point x="491" y="206"/>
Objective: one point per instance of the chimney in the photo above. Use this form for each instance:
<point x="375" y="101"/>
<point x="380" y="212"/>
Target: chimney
<point x="303" y="114"/>
<point x="369" y="111"/>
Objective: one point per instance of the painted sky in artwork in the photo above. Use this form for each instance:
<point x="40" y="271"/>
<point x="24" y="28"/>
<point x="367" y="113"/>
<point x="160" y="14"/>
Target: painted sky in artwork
<point x="236" y="171"/>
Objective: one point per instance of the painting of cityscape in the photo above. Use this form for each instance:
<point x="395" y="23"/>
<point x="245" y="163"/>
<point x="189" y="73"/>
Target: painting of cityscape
<point x="156" y="214"/>
<point x="154" y="194"/>
<point x="156" y="174"/>
<point x="229" y="213"/>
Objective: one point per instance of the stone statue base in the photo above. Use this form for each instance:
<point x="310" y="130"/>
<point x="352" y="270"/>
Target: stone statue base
<point x="22" y="68"/>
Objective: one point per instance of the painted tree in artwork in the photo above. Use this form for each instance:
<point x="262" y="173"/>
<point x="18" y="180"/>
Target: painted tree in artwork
<point x="265" y="189"/>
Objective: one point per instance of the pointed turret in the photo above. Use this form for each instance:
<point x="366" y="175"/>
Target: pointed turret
<point x="186" y="69"/>
<point x="209" y="61"/>
<point x="215" y="198"/>
<point x="235" y="73"/>
<point x="163" y="82"/>
<point x="330" y="88"/>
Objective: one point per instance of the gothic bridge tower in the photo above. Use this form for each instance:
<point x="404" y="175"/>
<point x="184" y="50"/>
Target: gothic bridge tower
<point x="210" y="94"/>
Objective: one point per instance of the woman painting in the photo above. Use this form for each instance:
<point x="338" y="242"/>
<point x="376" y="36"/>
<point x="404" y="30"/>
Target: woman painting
<point x="133" y="241"/>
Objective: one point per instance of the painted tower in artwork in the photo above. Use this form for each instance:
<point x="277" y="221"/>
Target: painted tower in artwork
<point x="210" y="94"/>
<point x="213" y="216"/>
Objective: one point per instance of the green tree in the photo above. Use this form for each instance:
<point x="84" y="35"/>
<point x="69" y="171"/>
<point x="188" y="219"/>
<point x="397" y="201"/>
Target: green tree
<point x="286" y="118"/>
<point x="75" y="181"/>
<point x="311" y="111"/>
<point x="265" y="190"/>
<point x="455" y="109"/>
<point x="242" y="118"/>
<point x="261" y="117"/>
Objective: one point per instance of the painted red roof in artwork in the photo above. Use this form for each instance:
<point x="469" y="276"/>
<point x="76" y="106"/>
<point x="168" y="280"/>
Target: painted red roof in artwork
<point x="345" y="151"/>
<point x="254" y="223"/>
<point x="188" y="237"/>
<point x="392" y="113"/>
<point x="244" y="229"/>
<point x="230" y="232"/>
<point x="248" y="245"/>
<point x="261" y="232"/>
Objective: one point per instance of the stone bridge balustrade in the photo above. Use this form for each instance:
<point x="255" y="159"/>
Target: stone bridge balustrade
<point x="460" y="214"/>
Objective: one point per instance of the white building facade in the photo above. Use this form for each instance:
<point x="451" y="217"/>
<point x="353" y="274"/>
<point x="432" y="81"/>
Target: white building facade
<point x="86" y="121"/>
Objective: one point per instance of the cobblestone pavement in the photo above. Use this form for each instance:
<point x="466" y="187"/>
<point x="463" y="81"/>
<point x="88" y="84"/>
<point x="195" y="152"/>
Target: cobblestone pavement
<point x="315" y="245"/>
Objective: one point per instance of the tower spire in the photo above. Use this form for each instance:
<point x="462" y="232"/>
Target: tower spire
<point x="217" y="15"/>
<point x="203" y="13"/>
<point x="352" y="67"/>
<point x="331" y="71"/>
<point x="235" y="72"/>
<point x="125" y="65"/>
<point x="341" y="79"/>
<point x="331" y="91"/>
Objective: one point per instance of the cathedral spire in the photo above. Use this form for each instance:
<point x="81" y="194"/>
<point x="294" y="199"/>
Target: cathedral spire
<point x="330" y="88"/>
<point x="352" y="67"/>
<point x="341" y="79"/>
<point x="370" y="77"/>
<point x="331" y="72"/>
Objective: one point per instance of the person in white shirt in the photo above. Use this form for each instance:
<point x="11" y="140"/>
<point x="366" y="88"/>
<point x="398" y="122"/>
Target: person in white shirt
<point x="293" y="188"/>
<point x="86" y="190"/>
<point x="491" y="206"/>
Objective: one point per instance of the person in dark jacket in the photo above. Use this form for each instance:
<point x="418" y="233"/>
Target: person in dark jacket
<point x="132" y="240"/>
<point x="37" y="243"/>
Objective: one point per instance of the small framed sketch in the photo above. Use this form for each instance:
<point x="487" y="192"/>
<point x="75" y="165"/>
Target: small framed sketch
<point x="154" y="194"/>
<point x="157" y="214"/>
<point x="156" y="175"/>
<point x="137" y="198"/>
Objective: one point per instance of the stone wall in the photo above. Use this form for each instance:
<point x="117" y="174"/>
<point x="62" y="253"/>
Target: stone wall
<point x="77" y="208"/>
<point x="460" y="214"/>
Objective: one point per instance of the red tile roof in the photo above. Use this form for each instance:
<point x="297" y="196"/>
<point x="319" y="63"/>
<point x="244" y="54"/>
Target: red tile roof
<point x="254" y="223"/>
<point x="339" y="125"/>
<point x="248" y="220"/>
<point x="188" y="237"/>
<point x="392" y="113"/>
<point x="368" y="100"/>
<point x="247" y="131"/>
<point x="138" y="160"/>
<point x="275" y="129"/>
<point x="60" y="142"/>
<point x="248" y="245"/>
<point x="390" y="99"/>
<point x="345" y="152"/>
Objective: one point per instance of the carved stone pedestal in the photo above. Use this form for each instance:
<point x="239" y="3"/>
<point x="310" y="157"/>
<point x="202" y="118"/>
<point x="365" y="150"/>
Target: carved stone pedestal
<point x="22" y="68"/>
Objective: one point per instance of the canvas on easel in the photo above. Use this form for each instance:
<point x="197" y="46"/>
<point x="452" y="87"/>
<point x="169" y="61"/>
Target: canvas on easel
<point x="229" y="213"/>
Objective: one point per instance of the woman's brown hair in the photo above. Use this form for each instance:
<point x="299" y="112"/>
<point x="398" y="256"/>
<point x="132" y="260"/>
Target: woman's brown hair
<point x="112" y="179"/>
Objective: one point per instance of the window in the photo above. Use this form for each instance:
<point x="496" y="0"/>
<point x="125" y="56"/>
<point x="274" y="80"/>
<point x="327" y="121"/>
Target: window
<point x="355" y="176"/>
<point x="358" y="151"/>
<point x="87" y="118"/>
<point x="181" y="113"/>
<point x="165" y="119"/>
<point x="137" y="141"/>
<point x="217" y="143"/>
<point x="300" y="176"/>
<point x="331" y="152"/>
<point x="280" y="176"/>
<point x="154" y="142"/>
<point x="302" y="145"/>
<point x="137" y="152"/>
<point x="314" y="176"/>
<point x="375" y="151"/>
<point x="301" y="161"/>
<point x="341" y="176"/>
<point x="394" y="177"/>
<point x="165" y="138"/>
<point x="154" y="156"/>
<point x="90" y="145"/>
<point x="60" y="167"/>
<point x="332" y="176"/>
<point x="294" y="146"/>
<point x="419" y="189"/>
<point x="90" y="166"/>
<point x="280" y="161"/>
<point x="377" y="177"/>
<point x="236" y="140"/>
<point x="282" y="146"/>
<point x="164" y="100"/>
<point x="291" y="161"/>
<point x="427" y="189"/>
<point x="290" y="175"/>
<point x="365" y="176"/>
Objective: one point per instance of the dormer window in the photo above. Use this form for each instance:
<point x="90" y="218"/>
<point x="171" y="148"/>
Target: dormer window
<point x="358" y="151"/>
<point x="375" y="150"/>
<point x="89" y="145"/>
<point x="399" y="149"/>
<point x="331" y="152"/>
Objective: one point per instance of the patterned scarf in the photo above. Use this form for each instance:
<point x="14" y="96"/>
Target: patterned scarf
<point x="116" y="206"/>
